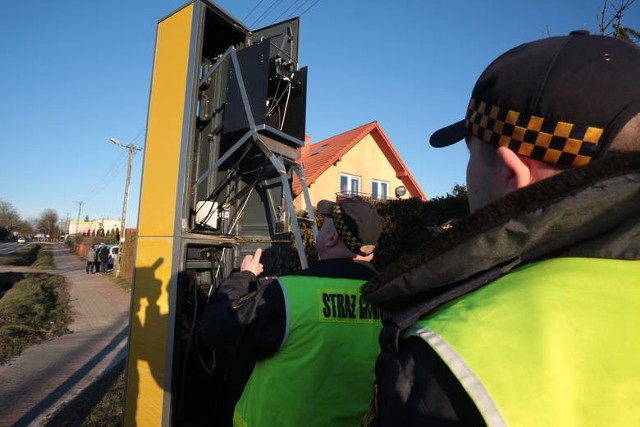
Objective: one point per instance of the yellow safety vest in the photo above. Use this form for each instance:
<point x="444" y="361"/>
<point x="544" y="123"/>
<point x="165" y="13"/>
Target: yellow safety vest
<point x="553" y="343"/>
<point x="323" y="373"/>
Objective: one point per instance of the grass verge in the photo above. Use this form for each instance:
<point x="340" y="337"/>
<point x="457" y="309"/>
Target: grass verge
<point x="34" y="309"/>
<point x="24" y="256"/>
<point x="34" y="255"/>
<point x="44" y="259"/>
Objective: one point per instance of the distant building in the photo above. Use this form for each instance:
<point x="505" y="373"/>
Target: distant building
<point x="88" y="227"/>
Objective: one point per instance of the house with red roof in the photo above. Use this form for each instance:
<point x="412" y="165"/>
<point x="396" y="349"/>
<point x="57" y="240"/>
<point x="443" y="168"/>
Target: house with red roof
<point x="359" y="162"/>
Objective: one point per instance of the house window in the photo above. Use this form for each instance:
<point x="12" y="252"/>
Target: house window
<point x="349" y="184"/>
<point x="379" y="189"/>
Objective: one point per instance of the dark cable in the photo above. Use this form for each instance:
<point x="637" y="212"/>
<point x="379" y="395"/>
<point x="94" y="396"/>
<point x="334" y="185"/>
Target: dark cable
<point x="287" y="9"/>
<point x="251" y="11"/>
<point x="266" y="12"/>
<point x="316" y="2"/>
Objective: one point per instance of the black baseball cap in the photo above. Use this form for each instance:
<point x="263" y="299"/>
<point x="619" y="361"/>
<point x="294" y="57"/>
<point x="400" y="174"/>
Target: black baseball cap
<point x="356" y="221"/>
<point x="560" y="100"/>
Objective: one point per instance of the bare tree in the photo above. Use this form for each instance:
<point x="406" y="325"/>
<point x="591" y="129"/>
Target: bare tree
<point x="24" y="228"/>
<point x="610" y="21"/>
<point x="47" y="222"/>
<point x="9" y="217"/>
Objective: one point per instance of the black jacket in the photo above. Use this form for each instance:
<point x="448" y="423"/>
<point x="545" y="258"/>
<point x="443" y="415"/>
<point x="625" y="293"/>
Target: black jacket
<point x="592" y="211"/>
<point x="245" y="322"/>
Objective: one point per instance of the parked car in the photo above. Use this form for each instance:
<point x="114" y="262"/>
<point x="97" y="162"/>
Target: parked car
<point x="22" y="240"/>
<point x="113" y="253"/>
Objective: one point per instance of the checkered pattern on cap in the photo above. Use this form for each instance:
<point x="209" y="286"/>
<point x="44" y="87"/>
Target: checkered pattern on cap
<point x="351" y="241"/>
<point x="559" y="143"/>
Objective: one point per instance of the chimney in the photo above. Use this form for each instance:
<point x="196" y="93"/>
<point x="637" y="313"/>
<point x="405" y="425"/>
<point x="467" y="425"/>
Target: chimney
<point x="307" y="146"/>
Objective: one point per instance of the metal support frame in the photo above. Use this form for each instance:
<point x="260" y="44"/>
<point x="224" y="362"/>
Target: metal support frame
<point x="279" y="155"/>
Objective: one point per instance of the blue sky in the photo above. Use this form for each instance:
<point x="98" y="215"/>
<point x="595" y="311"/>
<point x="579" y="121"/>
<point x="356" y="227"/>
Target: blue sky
<point x="75" y="73"/>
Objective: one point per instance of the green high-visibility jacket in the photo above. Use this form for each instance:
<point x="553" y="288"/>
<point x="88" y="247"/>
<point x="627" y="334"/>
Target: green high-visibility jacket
<point x="549" y="344"/>
<point x="324" y="371"/>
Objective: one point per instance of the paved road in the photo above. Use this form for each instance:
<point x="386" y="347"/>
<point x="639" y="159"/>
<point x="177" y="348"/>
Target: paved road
<point x="50" y="374"/>
<point x="8" y="246"/>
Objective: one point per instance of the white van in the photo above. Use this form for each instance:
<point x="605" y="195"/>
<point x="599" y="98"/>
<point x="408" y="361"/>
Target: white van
<point x="113" y="255"/>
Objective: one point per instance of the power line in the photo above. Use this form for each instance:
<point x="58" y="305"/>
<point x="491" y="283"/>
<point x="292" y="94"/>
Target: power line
<point x="289" y="8"/>
<point x="251" y="11"/>
<point x="266" y="12"/>
<point x="97" y="186"/>
<point x="137" y="135"/>
<point x="309" y="8"/>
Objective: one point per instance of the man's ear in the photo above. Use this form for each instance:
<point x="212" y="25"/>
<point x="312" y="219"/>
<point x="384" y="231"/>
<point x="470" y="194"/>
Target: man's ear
<point x="517" y="172"/>
<point x="332" y="239"/>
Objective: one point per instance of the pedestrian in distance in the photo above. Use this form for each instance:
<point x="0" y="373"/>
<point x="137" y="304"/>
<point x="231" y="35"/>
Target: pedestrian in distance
<point x="91" y="259"/>
<point x="306" y="341"/>
<point x="104" y="258"/>
<point x="99" y="258"/>
<point x="525" y="313"/>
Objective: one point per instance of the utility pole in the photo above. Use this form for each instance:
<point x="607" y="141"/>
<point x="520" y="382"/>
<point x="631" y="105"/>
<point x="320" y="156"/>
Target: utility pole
<point x="79" y="210"/>
<point x="131" y="150"/>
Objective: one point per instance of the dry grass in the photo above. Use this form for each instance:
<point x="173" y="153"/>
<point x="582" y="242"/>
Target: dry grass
<point x="33" y="307"/>
<point x="24" y="256"/>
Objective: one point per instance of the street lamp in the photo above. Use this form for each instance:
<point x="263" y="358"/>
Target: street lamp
<point x="131" y="150"/>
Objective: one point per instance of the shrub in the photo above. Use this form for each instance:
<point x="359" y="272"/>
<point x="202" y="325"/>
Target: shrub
<point x="407" y="224"/>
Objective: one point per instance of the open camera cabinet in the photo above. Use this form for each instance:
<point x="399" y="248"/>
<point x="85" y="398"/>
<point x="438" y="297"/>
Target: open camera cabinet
<point x="226" y="122"/>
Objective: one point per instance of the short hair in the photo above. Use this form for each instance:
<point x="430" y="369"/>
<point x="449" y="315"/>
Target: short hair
<point x="628" y="138"/>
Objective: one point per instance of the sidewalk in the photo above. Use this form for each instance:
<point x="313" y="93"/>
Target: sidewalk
<point x="49" y="374"/>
